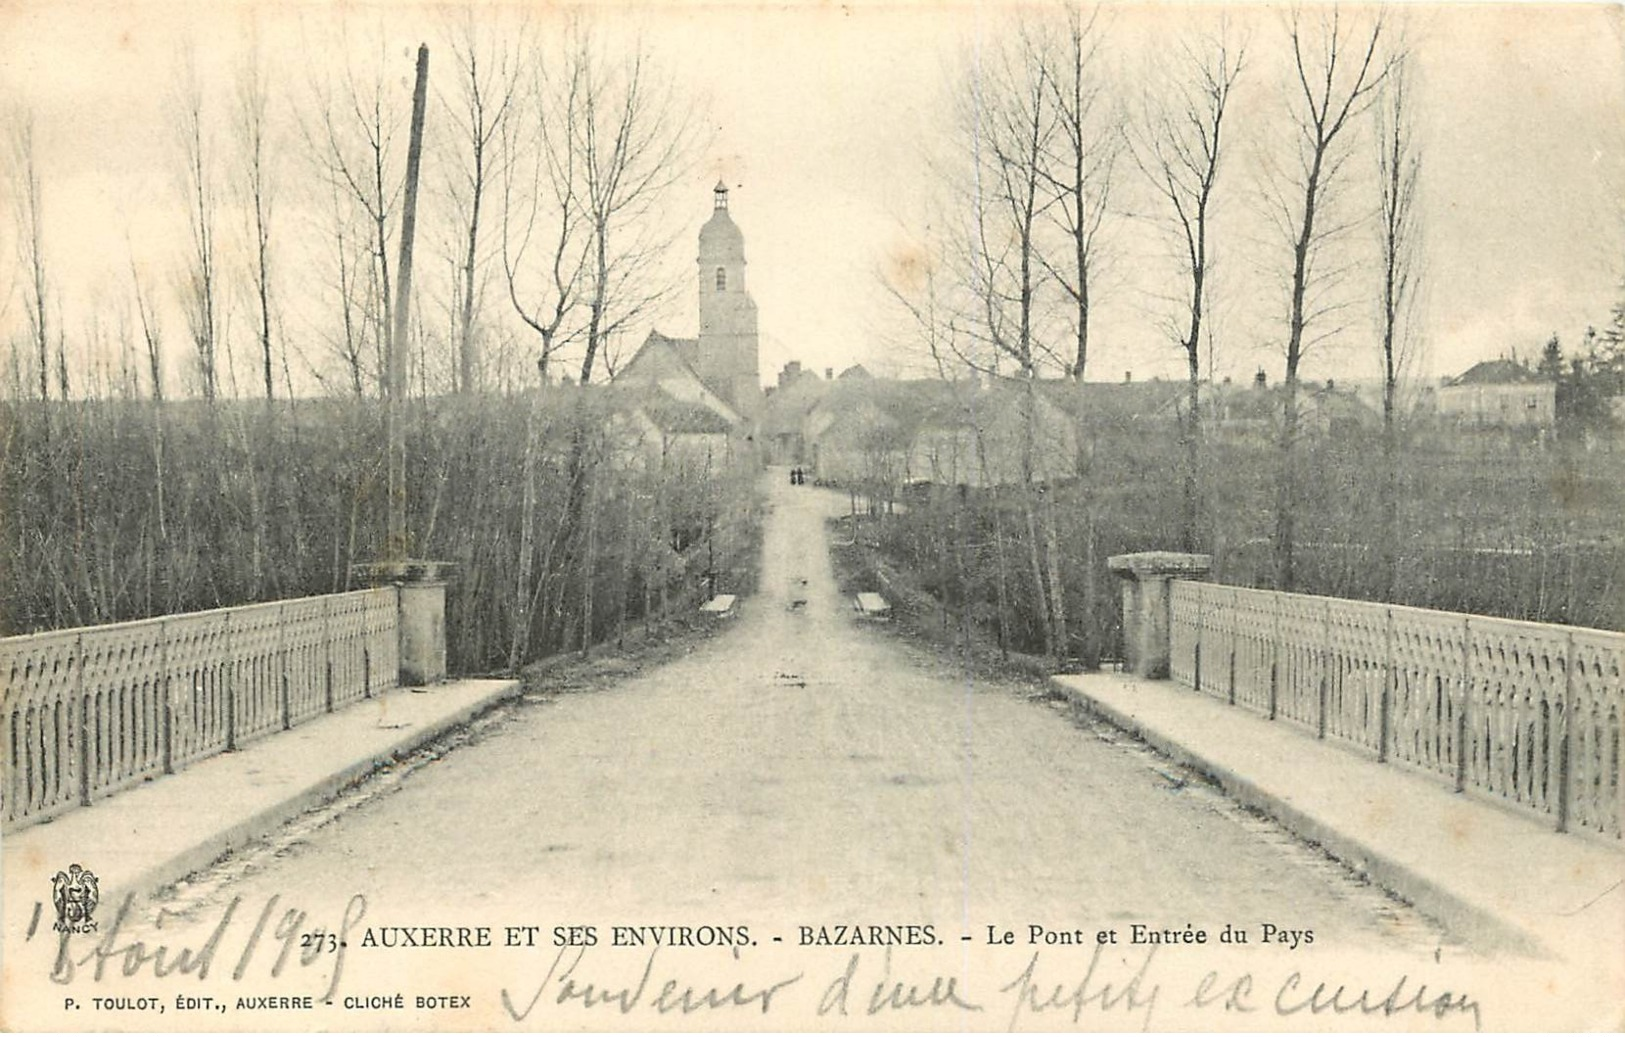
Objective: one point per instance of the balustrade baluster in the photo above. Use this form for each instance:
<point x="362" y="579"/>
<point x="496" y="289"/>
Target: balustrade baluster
<point x="1201" y="629"/>
<point x="1563" y="726"/>
<point x="1275" y="657"/>
<point x="168" y="732"/>
<point x="1385" y="703"/>
<point x="327" y="651"/>
<point x="228" y="674"/>
<point x="1324" y="656"/>
<point x="1465" y="682"/>
<point x="282" y="664"/>
<point x="84" y="719"/>
<point x="1232" y="671"/>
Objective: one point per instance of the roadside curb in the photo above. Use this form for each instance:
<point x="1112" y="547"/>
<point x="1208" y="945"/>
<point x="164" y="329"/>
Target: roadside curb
<point x="1460" y="914"/>
<point x="209" y="850"/>
<point x="196" y="852"/>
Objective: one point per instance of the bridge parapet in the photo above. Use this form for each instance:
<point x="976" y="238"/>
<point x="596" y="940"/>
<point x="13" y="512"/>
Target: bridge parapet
<point x="1147" y="576"/>
<point x="87" y="712"/>
<point x="1529" y="714"/>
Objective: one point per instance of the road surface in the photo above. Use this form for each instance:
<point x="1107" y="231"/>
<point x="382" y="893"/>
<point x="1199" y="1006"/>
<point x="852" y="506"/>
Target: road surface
<point x="809" y="763"/>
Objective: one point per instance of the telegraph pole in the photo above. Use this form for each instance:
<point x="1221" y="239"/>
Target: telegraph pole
<point x="396" y="548"/>
<point x="420" y="586"/>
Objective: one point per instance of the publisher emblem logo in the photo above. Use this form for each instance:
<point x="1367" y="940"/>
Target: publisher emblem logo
<point x="75" y="893"/>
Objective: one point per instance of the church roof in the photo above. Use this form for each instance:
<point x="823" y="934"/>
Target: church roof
<point x="666" y="351"/>
<point x="663" y="355"/>
<point x="672" y="415"/>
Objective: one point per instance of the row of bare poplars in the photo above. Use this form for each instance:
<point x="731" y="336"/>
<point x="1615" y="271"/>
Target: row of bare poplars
<point x="562" y="533"/>
<point x="1057" y="156"/>
<point x="1475" y="535"/>
<point x="139" y="479"/>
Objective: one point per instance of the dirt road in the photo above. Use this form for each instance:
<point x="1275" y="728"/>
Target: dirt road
<point x="807" y="763"/>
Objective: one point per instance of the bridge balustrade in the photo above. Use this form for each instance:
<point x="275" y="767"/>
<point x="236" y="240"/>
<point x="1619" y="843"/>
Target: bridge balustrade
<point x="1527" y="713"/>
<point x="90" y="711"/>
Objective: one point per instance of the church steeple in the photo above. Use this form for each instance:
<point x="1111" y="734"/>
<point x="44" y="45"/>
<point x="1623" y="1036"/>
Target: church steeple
<point x="728" y="339"/>
<point x="722" y="249"/>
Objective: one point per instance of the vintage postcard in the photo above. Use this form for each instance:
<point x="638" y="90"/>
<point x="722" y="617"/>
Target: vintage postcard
<point x="883" y="516"/>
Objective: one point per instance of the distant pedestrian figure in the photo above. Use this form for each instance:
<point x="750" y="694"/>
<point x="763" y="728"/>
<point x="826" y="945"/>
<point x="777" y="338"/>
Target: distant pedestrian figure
<point x="795" y="476"/>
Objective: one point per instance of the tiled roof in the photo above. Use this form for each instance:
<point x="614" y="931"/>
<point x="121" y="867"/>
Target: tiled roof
<point x="668" y="413"/>
<point x="1496" y="372"/>
<point x="680" y="416"/>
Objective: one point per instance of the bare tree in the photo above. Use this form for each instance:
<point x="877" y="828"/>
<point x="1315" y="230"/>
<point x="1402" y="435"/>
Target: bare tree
<point x="1338" y="69"/>
<point x="634" y="140"/>
<point x="199" y="286"/>
<point x="488" y="80"/>
<point x="1399" y="168"/>
<point x="1181" y="148"/>
<point x="587" y="154"/>
<point x="1010" y="121"/>
<point x="1081" y="167"/>
<point x="355" y="145"/>
<point x="544" y="244"/>
<point x="1007" y="125"/>
<point x="258" y="157"/>
<point x="540" y="185"/>
<point x="151" y="334"/>
<point x="350" y="339"/>
<point x="30" y="218"/>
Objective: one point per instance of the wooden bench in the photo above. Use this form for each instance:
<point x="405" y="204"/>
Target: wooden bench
<point x="721" y="606"/>
<point x="871" y="604"/>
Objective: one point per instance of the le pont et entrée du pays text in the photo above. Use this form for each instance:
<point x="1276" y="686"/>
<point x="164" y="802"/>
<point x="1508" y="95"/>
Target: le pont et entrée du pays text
<point x="825" y="935"/>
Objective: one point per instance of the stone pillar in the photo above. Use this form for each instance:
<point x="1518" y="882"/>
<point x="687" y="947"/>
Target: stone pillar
<point x="420" y="619"/>
<point x="423" y="632"/>
<point x="1146" y="622"/>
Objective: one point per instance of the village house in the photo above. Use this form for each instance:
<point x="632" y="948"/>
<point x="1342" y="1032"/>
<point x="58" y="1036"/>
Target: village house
<point x="1498" y="394"/>
<point x="788" y="403"/>
<point x="883" y="432"/>
<point x="682" y="438"/>
<point x="1256" y="409"/>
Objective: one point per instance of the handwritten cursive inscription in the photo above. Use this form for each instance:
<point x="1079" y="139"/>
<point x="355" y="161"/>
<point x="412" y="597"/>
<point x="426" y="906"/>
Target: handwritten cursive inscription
<point x="891" y="994"/>
<point x="571" y="984"/>
<point x="1296" y="995"/>
<point x="1135" y="995"/>
<point x="131" y="956"/>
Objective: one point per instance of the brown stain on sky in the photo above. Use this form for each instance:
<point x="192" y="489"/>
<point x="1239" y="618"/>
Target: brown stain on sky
<point x="908" y="268"/>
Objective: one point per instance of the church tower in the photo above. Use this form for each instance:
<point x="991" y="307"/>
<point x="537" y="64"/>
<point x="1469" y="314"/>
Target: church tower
<point x="727" y="350"/>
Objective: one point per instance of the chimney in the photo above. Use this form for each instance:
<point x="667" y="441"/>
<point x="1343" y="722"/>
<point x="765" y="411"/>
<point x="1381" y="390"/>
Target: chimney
<point x="788" y="375"/>
<point x="1259" y="380"/>
<point x="829" y="374"/>
<point x="1128" y="376"/>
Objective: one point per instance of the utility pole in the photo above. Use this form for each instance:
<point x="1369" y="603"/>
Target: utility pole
<point x="396" y="548"/>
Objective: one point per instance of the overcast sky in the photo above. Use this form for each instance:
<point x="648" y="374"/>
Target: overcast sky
<point x="823" y="117"/>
